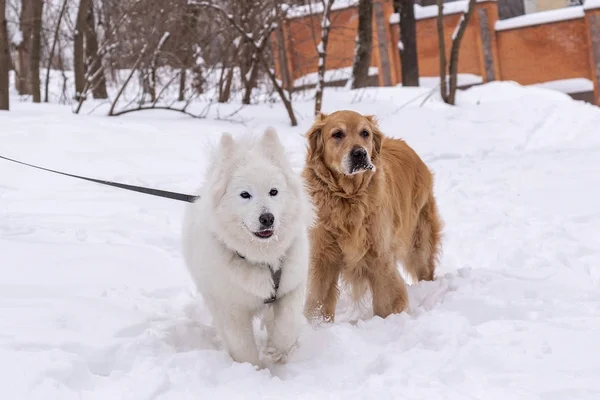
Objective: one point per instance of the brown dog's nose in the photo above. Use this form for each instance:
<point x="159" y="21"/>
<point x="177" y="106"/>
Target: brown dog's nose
<point x="358" y="155"/>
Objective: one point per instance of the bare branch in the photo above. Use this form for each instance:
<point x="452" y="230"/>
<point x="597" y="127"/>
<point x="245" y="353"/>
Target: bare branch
<point x="61" y="14"/>
<point x="133" y="69"/>
<point x="442" y="50"/>
<point x="154" y="107"/>
<point x="257" y="49"/>
<point x="456" y="40"/>
<point x="322" y="52"/>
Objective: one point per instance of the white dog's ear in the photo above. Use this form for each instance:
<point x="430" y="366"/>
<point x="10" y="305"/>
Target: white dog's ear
<point x="219" y="175"/>
<point x="272" y="146"/>
<point x="226" y="145"/>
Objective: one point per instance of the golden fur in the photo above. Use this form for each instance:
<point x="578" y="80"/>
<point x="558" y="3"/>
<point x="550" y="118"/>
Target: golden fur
<point x="367" y="222"/>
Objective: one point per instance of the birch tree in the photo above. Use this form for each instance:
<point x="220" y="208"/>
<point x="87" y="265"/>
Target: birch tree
<point x="448" y="92"/>
<point x="322" y="53"/>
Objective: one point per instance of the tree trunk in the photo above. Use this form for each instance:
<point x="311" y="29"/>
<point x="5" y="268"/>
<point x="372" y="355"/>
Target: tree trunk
<point x="4" y="59"/>
<point x="442" y="50"/>
<point x="182" y="79"/>
<point x="244" y="58"/>
<point x="36" y="39"/>
<point x="187" y="58"/>
<point x="322" y="52"/>
<point x="364" y="45"/>
<point x="225" y="94"/>
<point x="94" y="59"/>
<point x="23" y="65"/>
<point x="53" y="48"/>
<point x="408" y="39"/>
<point x="251" y="81"/>
<point x="456" y="39"/>
<point x="78" y="54"/>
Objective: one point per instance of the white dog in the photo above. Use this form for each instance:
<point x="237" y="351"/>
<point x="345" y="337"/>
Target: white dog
<point x="246" y="246"/>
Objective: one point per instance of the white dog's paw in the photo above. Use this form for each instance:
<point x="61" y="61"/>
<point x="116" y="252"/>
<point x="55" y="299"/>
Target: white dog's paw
<point x="277" y="355"/>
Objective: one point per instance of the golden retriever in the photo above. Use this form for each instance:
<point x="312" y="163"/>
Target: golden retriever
<point x="375" y="206"/>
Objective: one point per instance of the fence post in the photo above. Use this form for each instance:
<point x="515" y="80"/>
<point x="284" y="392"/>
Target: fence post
<point x="592" y="22"/>
<point x="282" y="55"/>
<point x="382" y="11"/>
<point x="486" y="16"/>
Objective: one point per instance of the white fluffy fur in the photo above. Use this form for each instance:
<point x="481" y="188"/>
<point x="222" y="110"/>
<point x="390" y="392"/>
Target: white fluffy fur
<point x="222" y="223"/>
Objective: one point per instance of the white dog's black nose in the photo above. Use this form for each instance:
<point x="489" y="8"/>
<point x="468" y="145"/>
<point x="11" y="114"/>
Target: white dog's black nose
<point x="358" y="155"/>
<point x="266" y="220"/>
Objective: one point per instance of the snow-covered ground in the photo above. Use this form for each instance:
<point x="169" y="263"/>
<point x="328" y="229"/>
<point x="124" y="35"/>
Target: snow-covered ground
<point x="95" y="302"/>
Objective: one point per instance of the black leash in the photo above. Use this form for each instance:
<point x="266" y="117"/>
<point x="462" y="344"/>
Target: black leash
<point x="154" y="192"/>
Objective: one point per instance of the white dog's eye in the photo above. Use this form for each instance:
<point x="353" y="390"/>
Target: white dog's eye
<point x="273" y="192"/>
<point x="245" y="195"/>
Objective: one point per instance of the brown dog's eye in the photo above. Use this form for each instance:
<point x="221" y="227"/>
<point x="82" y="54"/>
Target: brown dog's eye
<point x="337" y="134"/>
<point x="364" y="133"/>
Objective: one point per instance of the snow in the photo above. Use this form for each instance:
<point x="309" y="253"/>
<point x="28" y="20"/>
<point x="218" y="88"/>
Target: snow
<point x="457" y="28"/>
<point x="591" y="4"/>
<point x="542" y="17"/>
<point x="330" y="75"/>
<point x="574" y="85"/>
<point x="17" y="37"/>
<point x="95" y="302"/>
<point x="462" y="80"/>
<point x="423" y="12"/>
<point x="316" y="7"/>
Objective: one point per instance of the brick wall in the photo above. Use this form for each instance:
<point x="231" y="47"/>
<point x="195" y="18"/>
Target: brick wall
<point x="518" y="49"/>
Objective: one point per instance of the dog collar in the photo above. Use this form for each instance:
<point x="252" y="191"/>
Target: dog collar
<point x="275" y="275"/>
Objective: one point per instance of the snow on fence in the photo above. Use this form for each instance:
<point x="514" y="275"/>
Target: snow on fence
<point x="550" y="46"/>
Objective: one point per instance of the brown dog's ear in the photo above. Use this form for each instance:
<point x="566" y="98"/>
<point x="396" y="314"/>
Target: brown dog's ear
<point x="315" y="138"/>
<point x="377" y="137"/>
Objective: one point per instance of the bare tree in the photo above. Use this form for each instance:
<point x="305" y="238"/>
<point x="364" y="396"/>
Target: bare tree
<point x="258" y="47"/>
<point x="93" y="56"/>
<point x="78" y="49"/>
<point x="364" y="45"/>
<point x="189" y="18"/>
<point x="322" y="53"/>
<point x="55" y="40"/>
<point x="22" y="66"/>
<point x="449" y="96"/>
<point x="442" y="50"/>
<point x="4" y="59"/>
<point x="409" y="56"/>
<point x="36" y="42"/>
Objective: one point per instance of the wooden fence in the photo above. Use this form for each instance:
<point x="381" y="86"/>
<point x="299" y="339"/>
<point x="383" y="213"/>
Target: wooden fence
<point x="543" y="47"/>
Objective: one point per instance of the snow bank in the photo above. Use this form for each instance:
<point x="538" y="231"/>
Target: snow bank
<point x="313" y="8"/>
<point x="591" y="4"/>
<point x="421" y="12"/>
<point x="330" y="76"/>
<point x="95" y="302"/>
<point x="462" y="79"/>
<point x="543" y="17"/>
<point x="575" y="85"/>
